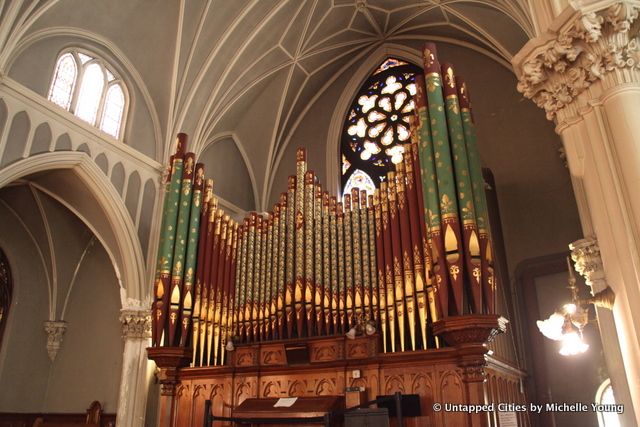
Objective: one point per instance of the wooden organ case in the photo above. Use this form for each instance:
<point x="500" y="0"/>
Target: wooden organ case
<point x="386" y="292"/>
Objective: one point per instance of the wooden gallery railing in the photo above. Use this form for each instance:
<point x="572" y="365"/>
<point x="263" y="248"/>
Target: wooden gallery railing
<point x="412" y="261"/>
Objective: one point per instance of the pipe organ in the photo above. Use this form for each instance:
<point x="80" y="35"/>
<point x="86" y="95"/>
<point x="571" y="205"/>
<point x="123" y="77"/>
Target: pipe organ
<point x="389" y="264"/>
<point x="398" y="259"/>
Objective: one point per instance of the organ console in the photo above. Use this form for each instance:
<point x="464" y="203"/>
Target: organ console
<point x="415" y="252"/>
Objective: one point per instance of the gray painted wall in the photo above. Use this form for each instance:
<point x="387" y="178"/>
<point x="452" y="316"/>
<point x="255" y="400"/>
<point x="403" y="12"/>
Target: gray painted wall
<point x="88" y="365"/>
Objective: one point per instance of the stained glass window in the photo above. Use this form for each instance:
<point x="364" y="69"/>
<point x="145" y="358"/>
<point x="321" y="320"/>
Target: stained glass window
<point x="360" y="180"/>
<point x="63" y="81"/>
<point x="113" y="108"/>
<point x="6" y="285"/>
<point x="377" y="123"/>
<point x="90" y="93"/>
<point x="87" y="87"/>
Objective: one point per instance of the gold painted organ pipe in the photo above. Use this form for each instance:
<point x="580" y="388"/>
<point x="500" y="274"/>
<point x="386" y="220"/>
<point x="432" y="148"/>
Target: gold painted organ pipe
<point x="357" y="257"/>
<point x="366" y="273"/>
<point x="281" y="265"/>
<point x="326" y="263"/>
<point x="309" y="196"/>
<point x="317" y="264"/>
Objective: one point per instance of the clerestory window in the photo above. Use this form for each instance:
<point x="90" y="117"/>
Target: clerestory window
<point x="88" y="87"/>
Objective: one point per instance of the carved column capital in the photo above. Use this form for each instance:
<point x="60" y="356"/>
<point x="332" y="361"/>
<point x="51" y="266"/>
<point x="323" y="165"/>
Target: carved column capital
<point x="594" y="43"/>
<point x="585" y="253"/>
<point x="55" y="332"/>
<point x="136" y="323"/>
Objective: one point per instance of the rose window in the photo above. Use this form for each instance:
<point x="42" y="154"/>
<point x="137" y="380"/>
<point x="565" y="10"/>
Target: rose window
<point x="378" y="124"/>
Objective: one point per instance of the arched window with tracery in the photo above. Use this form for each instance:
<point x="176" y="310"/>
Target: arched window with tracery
<point x="604" y="396"/>
<point x="376" y="125"/>
<point x="89" y="88"/>
<point x="6" y="287"/>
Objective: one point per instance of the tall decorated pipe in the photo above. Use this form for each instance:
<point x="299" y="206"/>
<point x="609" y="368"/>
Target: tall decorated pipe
<point x="388" y="265"/>
<point x="479" y="197"/>
<point x="211" y="309"/>
<point x="326" y="264"/>
<point x="445" y="177"/>
<point x="357" y="256"/>
<point x="348" y="261"/>
<point x="191" y="255"/>
<point x="433" y="243"/>
<point x="342" y="296"/>
<point x="467" y="213"/>
<point x="336" y="273"/>
<point x="396" y="250"/>
<point x="373" y="263"/>
<point x="165" y="256"/>
<point x="318" y="290"/>
<point x="298" y="295"/>
<point x="290" y="251"/>
<point x="366" y="265"/>
<point x="273" y="272"/>
<point x="180" y="246"/>
<point x="309" y="291"/>
<point x="416" y="224"/>
<point x="206" y="278"/>
<point x="222" y="267"/>
<point x="282" y="244"/>
<point x="248" y="305"/>
<point x="407" y="251"/>
<point x="242" y="283"/>
<point x="257" y="284"/>
<point x="373" y="266"/>
<point x="158" y="288"/>
<point x="200" y="268"/>
<point x="380" y="261"/>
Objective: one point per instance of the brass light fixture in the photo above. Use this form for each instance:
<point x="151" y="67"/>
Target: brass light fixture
<point x="567" y="323"/>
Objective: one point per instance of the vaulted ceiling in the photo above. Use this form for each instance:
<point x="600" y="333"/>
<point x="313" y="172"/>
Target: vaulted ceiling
<point x="230" y="51"/>
<point x="201" y="66"/>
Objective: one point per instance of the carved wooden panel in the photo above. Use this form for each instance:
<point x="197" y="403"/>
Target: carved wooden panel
<point x="272" y="389"/>
<point x="503" y="385"/>
<point x="452" y="391"/>
<point x="361" y="348"/>
<point x="200" y="394"/>
<point x="326" y="351"/>
<point x="246" y="356"/>
<point x="272" y="355"/>
<point x="435" y="380"/>
<point x="245" y="387"/>
<point x="183" y="403"/>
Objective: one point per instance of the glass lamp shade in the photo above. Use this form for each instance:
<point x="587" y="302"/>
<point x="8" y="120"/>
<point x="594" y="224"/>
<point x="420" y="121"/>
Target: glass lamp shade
<point x="572" y="344"/>
<point x="552" y="327"/>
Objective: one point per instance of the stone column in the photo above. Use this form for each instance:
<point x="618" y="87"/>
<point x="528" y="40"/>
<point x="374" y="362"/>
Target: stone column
<point x="586" y="256"/>
<point x="584" y="71"/>
<point x="136" y="369"/>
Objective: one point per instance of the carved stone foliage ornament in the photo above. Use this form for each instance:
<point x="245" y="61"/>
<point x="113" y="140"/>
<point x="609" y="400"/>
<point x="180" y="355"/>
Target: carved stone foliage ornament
<point x="583" y="50"/>
<point x="585" y="253"/>
<point x="55" y="332"/>
<point x="136" y="324"/>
